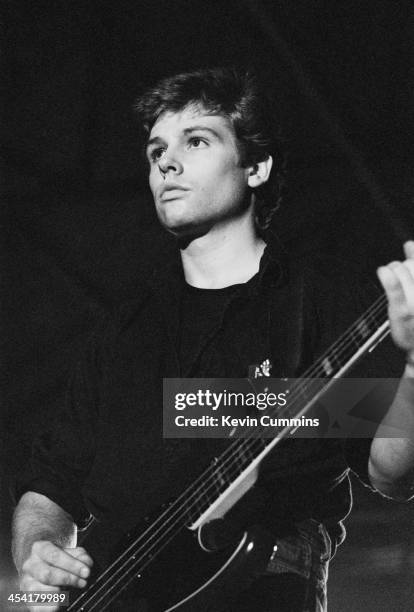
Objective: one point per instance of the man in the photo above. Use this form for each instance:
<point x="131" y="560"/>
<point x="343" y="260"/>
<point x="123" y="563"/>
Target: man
<point x="229" y="303"/>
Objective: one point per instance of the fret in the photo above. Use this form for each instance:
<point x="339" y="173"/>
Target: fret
<point x="379" y="313"/>
<point x="308" y="390"/>
<point x="256" y="446"/>
<point x="234" y="467"/>
<point x="249" y="451"/>
<point x="335" y="356"/>
<point x="245" y="453"/>
<point x="195" y="506"/>
<point x="301" y="389"/>
<point x="221" y="477"/>
<point x="358" y="338"/>
<point x="327" y="366"/>
<point x="363" y="328"/>
<point x="210" y="490"/>
<point x="371" y="319"/>
<point x="340" y="355"/>
<point x="241" y="458"/>
<point x="350" y="345"/>
<point x="191" y="515"/>
<point x="198" y="505"/>
<point x="319" y="370"/>
<point x="216" y="483"/>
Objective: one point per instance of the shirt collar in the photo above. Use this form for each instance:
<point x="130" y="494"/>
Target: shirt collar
<point x="166" y="278"/>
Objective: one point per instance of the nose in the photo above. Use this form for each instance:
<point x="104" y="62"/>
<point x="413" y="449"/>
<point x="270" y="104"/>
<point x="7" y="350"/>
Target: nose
<point x="169" y="164"/>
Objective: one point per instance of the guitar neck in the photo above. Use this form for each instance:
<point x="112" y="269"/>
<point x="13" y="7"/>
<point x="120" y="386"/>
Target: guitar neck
<point x="243" y="455"/>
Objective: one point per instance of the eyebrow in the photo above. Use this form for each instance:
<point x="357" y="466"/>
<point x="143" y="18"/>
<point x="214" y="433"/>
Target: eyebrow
<point x="186" y="131"/>
<point x="201" y="128"/>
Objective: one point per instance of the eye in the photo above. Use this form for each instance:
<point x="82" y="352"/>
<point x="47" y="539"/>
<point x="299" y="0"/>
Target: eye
<point x="156" y="154"/>
<point x="196" y="142"/>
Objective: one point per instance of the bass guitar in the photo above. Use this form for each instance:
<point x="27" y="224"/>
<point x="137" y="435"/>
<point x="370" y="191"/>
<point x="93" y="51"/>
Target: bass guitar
<point x="181" y="526"/>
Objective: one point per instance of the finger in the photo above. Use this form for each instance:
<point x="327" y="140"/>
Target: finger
<point x="44" y="608"/>
<point x="80" y="554"/>
<point x="28" y="583"/>
<point x="60" y="559"/>
<point x="49" y="575"/>
<point x="409" y="264"/>
<point x="392" y="285"/>
<point x="407" y="283"/>
<point x="58" y="577"/>
<point x="409" y="249"/>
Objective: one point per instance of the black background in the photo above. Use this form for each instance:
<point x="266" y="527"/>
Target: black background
<point x="78" y="226"/>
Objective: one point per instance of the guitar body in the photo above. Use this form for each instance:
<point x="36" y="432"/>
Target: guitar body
<point x="186" y="578"/>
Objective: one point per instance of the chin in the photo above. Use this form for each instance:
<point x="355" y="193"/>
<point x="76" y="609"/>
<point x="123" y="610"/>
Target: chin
<point x="185" y="230"/>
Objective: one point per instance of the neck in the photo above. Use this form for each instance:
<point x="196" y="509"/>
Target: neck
<point x="224" y="256"/>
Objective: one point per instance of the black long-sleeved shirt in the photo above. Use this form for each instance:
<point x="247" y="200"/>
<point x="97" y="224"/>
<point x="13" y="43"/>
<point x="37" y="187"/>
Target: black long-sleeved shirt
<point x="104" y="453"/>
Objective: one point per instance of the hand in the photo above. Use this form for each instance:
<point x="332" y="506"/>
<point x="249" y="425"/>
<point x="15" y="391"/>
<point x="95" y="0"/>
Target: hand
<point x="397" y="278"/>
<point x="49" y="567"/>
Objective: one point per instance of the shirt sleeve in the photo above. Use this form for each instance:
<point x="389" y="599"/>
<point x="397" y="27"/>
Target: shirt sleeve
<point x="357" y="455"/>
<point x="62" y="455"/>
<point x="372" y="409"/>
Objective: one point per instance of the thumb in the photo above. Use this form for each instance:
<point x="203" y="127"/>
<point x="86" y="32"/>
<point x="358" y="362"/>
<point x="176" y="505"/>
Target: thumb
<point x="409" y="249"/>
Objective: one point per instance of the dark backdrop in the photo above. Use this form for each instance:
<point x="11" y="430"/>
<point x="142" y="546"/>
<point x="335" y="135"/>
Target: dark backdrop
<point x="79" y="230"/>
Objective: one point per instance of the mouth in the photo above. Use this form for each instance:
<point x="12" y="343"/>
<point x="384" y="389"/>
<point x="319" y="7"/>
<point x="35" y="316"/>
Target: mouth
<point x="172" y="192"/>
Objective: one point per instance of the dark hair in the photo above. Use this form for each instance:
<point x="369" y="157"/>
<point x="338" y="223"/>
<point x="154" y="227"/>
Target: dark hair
<point x="235" y="94"/>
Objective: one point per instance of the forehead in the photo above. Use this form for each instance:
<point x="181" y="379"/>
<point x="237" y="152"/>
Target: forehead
<point x="176" y="123"/>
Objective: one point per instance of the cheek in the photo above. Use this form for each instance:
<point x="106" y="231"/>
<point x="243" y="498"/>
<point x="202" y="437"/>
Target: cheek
<point x="221" y="175"/>
<point x="234" y="182"/>
<point x="152" y="182"/>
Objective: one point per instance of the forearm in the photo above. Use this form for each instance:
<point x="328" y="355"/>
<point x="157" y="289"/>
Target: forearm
<point x="391" y="462"/>
<point x="38" y="518"/>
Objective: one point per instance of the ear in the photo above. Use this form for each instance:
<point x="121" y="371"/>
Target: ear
<point x="260" y="172"/>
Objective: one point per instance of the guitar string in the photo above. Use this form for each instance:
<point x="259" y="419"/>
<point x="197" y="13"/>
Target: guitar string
<point x="134" y="569"/>
<point x="213" y="467"/>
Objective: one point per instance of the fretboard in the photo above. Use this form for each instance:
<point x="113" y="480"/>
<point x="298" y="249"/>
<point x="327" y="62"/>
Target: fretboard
<point x="361" y="337"/>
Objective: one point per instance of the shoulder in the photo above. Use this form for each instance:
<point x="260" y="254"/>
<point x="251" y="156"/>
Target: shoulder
<point x="108" y="325"/>
<point x="334" y="295"/>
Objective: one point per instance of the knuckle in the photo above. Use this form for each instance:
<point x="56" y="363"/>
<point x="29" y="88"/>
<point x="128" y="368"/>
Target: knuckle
<point x="71" y="580"/>
<point x="53" y="555"/>
<point x="65" y="580"/>
<point x="42" y="547"/>
<point x="37" y="547"/>
<point x="46" y="575"/>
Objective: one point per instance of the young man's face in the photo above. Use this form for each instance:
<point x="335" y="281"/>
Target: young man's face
<point x="195" y="173"/>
